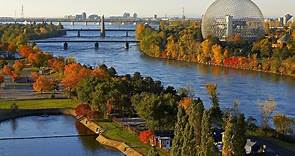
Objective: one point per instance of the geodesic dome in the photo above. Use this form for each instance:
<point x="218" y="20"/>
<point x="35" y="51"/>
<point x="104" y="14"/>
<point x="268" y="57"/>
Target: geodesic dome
<point x="226" y="18"/>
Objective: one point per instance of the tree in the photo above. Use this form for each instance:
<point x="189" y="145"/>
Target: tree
<point x="186" y="102"/>
<point x="25" y="51"/>
<point x="153" y="152"/>
<point x="73" y="74"/>
<point x="239" y="139"/>
<point x="207" y="147"/>
<point x="215" y="109"/>
<point x="283" y="124"/>
<point x="195" y="119"/>
<point x="83" y="109"/>
<point x="1" y="79"/>
<point x="18" y="66"/>
<point x="189" y="141"/>
<point x="217" y="54"/>
<point x="227" y="137"/>
<point x="6" y="70"/>
<point x="43" y="84"/>
<point x="267" y="108"/>
<point x="56" y="64"/>
<point x="178" y="139"/>
<point x="145" y="136"/>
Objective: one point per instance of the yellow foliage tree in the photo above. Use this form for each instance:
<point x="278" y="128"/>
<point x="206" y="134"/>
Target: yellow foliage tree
<point x="217" y="53"/>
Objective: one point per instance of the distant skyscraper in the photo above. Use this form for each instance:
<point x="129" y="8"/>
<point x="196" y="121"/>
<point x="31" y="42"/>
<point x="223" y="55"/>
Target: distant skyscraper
<point x="84" y="16"/>
<point x="286" y="19"/>
<point x="183" y="16"/>
<point x="135" y="15"/>
<point x="155" y="16"/>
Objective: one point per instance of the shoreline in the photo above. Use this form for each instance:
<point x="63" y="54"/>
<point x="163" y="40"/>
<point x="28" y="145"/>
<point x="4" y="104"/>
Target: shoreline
<point x="220" y="65"/>
<point x="7" y="114"/>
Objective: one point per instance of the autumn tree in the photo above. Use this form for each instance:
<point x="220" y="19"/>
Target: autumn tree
<point x="56" y="64"/>
<point x="186" y="102"/>
<point x="283" y="124"/>
<point x="35" y="76"/>
<point x="43" y="84"/>
<point x="73" y="74"/>
<point x="18" y="66"/>
<point x="267" y="108"/>
<point x="6" y="70"/>
<point x="145" y="136"/>
<point x="217" y="54"/>
<point x="1" y="79"/>
<point x="83" y="109"/>
<point x="215" y="109"/>
<point x="25" y="50"/>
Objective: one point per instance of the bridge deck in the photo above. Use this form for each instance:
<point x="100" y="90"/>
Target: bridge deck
<point x="124" y="30"/>
<point x="85" y="41"/>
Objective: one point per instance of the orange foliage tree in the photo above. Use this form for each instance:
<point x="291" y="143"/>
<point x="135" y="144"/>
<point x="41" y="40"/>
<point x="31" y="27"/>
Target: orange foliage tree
<point x="25" y="51"/>
<point x="186" y="102"/>
<point x="6" y="70"/>
<point x="73" y="74"/>
<point x="56" y="64"/>
<point x="145" y="136"/>
<point x="18" y="66"/>
<point x="35" y="76"/>
<point x="217" y="53"/>
<point x="43" y="84"/>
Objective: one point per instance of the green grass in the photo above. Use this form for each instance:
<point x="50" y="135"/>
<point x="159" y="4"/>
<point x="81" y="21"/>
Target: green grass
<point x="39" y="103"/>
<point x="116" y="132"/>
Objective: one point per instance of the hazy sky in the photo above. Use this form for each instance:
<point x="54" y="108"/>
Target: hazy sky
<point x="193" y="8"/>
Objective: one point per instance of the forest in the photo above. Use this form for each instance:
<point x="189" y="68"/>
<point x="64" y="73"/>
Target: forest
<point x="182" y="40"/>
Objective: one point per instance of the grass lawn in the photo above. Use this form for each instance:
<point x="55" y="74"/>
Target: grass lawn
<point x="39" y="103"/>
<point x="116" y="132"/>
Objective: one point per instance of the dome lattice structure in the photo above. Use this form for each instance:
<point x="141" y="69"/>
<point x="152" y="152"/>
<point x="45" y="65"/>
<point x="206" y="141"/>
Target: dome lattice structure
<point x="226" y="18"/>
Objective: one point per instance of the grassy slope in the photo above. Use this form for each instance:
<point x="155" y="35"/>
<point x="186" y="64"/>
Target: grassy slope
<point x="116" y="132"/>
<point x="39" y="103"/>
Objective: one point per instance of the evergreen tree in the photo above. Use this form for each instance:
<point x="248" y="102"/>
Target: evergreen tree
<point x="207" y="147"/>
<point x="239" y="139"/>
<point x="153" y="152"/>
<point x="189" y="141"/>
<point x="227" y="137"/>
<point x="195" y="119"/>
<point x="179" y="132"/>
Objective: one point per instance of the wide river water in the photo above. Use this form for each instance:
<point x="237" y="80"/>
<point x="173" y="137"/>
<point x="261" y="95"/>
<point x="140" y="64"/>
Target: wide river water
<point x="246" y="86"/>
<point x="36" y="126"/>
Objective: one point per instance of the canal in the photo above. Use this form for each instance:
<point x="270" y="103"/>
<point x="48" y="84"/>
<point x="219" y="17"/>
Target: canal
<point x="248" y="87"/>
<point x="37" y="126"/>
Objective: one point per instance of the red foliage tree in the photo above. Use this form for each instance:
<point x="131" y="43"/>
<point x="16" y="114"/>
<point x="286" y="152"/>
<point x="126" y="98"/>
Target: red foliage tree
<point x="83" y="110"/>
<point x="145" y="136"/>
<point x="1" y="79"/>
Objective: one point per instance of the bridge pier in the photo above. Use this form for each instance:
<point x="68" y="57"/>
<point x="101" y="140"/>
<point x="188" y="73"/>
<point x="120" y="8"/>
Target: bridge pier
<point x="73" y="23"/>
<point x="66" y="46"/>
<point x="102" y="29"/>
<point x="96" y="45"/>
<point x="86" y="23"/>
<point x="79" y="34"/>
<point x="127" y="34"/>
<point x="126" y="45"/>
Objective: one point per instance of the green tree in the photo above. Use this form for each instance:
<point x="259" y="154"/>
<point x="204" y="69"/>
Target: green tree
<point x="207" y="147"/>
<point x="239" y="139"/>
<point x="178" y="139"/>
<point x="153" y="152"/>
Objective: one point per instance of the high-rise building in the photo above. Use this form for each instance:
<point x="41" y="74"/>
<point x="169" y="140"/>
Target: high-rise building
<point x="84" y="16"/>
<point x="135" y="15"/>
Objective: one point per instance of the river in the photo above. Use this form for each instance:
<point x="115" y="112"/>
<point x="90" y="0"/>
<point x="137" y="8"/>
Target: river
<point x="248" y="87"/>
<point x="49" y="126"/>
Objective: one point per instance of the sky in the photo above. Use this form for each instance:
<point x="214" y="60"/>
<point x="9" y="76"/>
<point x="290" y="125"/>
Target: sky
<point x="144" y="8"/>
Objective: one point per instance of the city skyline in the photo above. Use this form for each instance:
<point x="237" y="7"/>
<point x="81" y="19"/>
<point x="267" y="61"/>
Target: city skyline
<point x="193" y="8"/>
